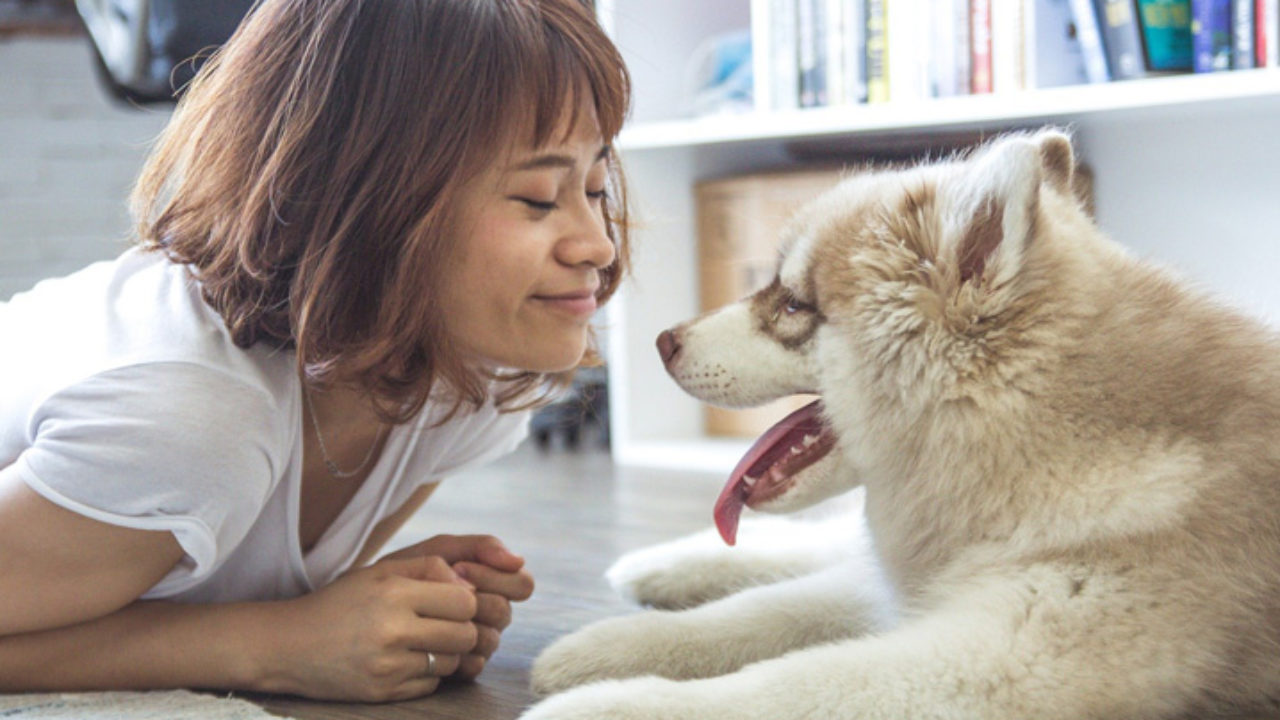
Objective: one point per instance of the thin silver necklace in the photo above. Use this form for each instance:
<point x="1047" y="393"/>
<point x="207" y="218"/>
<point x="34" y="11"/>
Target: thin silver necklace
<point x="330" y="465"/>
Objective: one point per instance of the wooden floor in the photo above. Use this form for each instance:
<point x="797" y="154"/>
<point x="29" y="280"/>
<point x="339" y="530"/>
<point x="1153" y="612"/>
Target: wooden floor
<point x="570" y="515"/>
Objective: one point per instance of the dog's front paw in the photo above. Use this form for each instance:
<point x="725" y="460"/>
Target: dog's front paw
<point x="636" y="699"/>
<point x="604" y="650"/>
<point x="680" y="574"/>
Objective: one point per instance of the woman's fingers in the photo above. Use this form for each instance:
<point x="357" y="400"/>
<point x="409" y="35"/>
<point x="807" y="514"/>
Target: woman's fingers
<point x="484" y="549"/>
<point x="438" y="665"/>
<point x="493" y="611"/>
<point x="511" y="585"/>
<point x="444" y="637"/>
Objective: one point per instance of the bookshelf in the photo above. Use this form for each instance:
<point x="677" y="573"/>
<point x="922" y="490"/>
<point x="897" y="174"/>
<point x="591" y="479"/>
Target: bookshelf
<point x="1185" y="170"/>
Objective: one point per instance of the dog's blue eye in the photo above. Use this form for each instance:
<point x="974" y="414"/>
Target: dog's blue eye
<point x="794" y="306"/>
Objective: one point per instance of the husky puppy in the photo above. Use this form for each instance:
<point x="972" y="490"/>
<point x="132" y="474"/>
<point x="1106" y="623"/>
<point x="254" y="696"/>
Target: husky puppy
<point x="1070" y="464"/>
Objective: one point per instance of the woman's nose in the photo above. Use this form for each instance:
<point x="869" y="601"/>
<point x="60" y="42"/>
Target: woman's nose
<point x="588" y="242"/>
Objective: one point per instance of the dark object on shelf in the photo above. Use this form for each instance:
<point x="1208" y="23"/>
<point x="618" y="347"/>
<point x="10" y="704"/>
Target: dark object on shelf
<point x="583" y="410"/>
<point x="148" y="50"/>
<point x="38" y="17"/>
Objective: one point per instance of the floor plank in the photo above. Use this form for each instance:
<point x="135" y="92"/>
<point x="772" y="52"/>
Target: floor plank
<point x="570" y="515"/>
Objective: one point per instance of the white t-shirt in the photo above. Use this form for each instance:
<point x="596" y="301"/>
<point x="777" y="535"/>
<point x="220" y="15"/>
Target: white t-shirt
<point x="123" y="398"/>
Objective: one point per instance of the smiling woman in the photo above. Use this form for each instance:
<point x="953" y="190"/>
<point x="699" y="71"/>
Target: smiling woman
<point x="373" y="234"/>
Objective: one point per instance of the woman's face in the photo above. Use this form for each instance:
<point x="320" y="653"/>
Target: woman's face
<point x="533" y="238"/>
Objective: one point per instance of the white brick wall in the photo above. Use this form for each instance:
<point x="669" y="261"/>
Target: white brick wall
<point x="68" y="157"/>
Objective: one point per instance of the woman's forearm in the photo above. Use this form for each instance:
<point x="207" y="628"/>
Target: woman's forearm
<point x="147" y="645"/>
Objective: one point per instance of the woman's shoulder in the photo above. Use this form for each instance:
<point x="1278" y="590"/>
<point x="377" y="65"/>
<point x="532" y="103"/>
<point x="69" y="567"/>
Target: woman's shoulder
<point x="140" y="312"/>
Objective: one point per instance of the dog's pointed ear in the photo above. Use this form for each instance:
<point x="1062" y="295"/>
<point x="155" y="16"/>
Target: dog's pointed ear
<point x="1003" y="196"/>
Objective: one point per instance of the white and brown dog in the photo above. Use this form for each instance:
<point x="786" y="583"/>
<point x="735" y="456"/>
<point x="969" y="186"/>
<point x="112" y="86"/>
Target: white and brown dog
<point x="1071" y="468"/>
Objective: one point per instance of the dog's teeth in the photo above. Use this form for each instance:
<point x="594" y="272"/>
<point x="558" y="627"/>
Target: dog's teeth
<point x="748" y="481"/>
<point x="796" y="449"/>
<point x="810" y="439"/>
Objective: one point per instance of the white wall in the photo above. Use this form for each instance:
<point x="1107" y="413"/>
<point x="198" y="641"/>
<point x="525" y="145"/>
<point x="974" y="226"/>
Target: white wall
<point x="68" y="156"/>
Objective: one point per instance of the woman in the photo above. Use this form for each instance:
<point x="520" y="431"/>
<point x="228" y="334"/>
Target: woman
<point x="371" y="237"/>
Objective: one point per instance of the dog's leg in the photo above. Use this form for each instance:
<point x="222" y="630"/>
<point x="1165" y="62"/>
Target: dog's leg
<point x="1046" y="645"/>
<point x="699" y="568"/>
<point x="721" y="636"/>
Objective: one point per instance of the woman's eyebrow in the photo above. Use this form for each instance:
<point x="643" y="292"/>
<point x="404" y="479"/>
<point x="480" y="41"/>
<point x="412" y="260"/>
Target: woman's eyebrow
<point x="556" y="160"/>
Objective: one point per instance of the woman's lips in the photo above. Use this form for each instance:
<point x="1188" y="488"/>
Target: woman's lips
<point x="576" y="304"/>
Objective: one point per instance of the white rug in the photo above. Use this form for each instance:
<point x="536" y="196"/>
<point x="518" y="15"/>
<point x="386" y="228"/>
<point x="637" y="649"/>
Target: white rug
<point x="160" y="705"/>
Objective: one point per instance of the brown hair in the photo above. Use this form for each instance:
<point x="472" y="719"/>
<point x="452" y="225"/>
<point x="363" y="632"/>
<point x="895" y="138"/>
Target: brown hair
<point x="310" y="170"/>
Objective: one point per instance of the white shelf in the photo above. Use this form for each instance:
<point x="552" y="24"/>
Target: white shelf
<point x="975" y="111"/>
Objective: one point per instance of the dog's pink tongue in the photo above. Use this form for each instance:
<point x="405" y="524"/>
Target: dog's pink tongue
<point x="767" y="449"/>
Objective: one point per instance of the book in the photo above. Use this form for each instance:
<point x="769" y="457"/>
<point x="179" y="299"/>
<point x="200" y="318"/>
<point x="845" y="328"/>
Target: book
<point x="950" y="74"/>
<point x="1008" y="46"/>
<point x="784" y="57"/>
<point x="1242" y="45"/>
<point x="831" y="32"/>
<point x="1211" y="35"/>
<point x="854" y="51"/>
<point x="1122" y="38"/>
<point x="980" y="34"/>
<point x="762" y="41"/>
<point x="908" y="29"/>
<point x="1166" y="34"/>
<point x="1055" y="55"/>
<point x="812" y="49"/>
<point x="1266" y="28"/>
<point x="877" y="52"/>
<point x="1084" y="16"/>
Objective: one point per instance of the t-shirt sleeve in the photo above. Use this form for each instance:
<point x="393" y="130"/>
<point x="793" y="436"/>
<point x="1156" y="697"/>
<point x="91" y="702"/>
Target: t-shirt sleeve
<point x="163" y="446"/>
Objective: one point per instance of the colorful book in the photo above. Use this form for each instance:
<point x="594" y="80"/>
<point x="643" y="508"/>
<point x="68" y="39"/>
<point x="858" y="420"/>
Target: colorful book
<point x="1166" y="34"/>
<point x="1211" y="35"/>
<point x="1242" y="44"/>
<point x="1088" y="33"/>
<point x="980" y="33"/>
<point x="1122" y="38"/>
<point x="877" y="51"/>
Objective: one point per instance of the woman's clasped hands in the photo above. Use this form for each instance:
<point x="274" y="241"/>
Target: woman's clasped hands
<point x="392" y="630"/>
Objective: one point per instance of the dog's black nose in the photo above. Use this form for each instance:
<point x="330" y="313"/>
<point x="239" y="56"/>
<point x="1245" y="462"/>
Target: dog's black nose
<point x="668" y="346"/>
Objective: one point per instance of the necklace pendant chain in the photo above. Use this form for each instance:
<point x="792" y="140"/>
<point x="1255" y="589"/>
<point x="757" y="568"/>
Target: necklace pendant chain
<point x="329" y="464"/>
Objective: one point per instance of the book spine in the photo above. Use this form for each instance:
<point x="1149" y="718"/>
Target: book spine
<point x="855" y="51"/>
<point x="807" y="44"/>
<point x="786" y="55"/>
<point x="1211" y="35"/>
<point x="761" y="56"/>
<point x="877" y="52"/>
<point x="1166" y="34"/>
<point x="1242" y="34"/>
<point x="942" y="71"/>
<point x="1007" y="66"/>
<point x="1270" y="19"/>
<point x="980" y="32"/>
<point x="1055" y="55"/>
<point x="907" y="33"/>
<point x="1122" y="38"/>
<point x="833" y="36"/>
<point x="1260" y="46"/>
<point x="963" y="47"/>
<point x="1085" y="16"/>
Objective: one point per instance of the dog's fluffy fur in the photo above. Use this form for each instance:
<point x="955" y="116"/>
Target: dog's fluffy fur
<point x="1071" y="468"/>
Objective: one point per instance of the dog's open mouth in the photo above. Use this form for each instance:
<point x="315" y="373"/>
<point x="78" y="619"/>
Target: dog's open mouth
<point x="767" y="470"/>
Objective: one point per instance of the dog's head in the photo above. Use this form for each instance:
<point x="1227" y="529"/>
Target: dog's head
<point x="896" y="291"/>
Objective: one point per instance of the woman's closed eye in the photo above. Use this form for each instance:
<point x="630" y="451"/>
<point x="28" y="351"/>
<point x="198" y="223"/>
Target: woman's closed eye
<point x="546" y="206"/>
